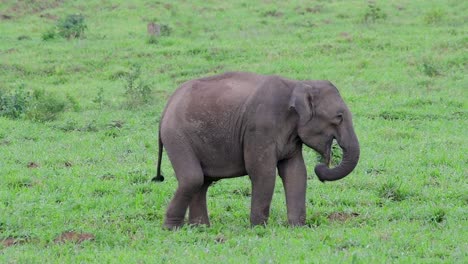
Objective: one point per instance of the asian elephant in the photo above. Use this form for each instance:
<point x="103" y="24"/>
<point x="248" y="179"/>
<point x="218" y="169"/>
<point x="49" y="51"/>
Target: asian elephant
<point x="240" y="123"/>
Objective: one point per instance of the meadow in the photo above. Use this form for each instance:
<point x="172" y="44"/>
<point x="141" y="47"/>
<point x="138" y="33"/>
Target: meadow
<point x="79" y="117"/>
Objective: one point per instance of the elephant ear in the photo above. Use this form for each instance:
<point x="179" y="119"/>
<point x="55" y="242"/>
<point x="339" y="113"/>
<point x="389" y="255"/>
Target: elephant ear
<point x="302" y="101"/>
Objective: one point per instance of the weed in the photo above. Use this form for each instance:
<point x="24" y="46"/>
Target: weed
<point x="15" y="104"/>
<point x="152" y="39"/>
<point x="394" y="115"/>
<point x="91" y="126"/>
<point x="73" y="102"/>
<point x="45" y="106"/>
<point x="99" y="99"/>
<point x="392" y="191"/>
<point x="165" y="30"/>
<point x="112" y="132"/>
<point x="70" y="125"/>
<point x="438" y="216"/>
<point x="316" y="220"/>
<point x="336" y="153"/>
<point x="430" y="69"/>
<point x="71" y="26"/>
<point x="49" y="34"/>
<point x="137" y="91"/>
<point x="373" y="13"/>
<point x="433" y="16"/>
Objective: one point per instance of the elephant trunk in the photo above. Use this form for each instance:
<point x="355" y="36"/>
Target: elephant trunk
<point x="351" y="152"/>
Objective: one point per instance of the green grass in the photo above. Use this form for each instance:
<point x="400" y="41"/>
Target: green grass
<point x="401" y="68"/>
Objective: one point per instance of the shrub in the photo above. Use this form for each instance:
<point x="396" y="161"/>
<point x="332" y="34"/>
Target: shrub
<point x="166" y="30"/>
<point x="49" y="34"/>
<point x="37" y="105"/>
<point x="45" y="106"/>
<point x="137" y="91"/>
<point x="15" y="103"/>
<point x="373" y="13"/>
<point x="72" y="26"/>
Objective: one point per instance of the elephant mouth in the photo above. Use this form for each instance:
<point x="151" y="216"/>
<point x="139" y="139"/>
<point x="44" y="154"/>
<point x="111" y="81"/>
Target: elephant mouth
<point x="326" y="153"/>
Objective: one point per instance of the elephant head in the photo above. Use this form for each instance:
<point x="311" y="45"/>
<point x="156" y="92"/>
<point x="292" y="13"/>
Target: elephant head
<point x="322" y="117"/>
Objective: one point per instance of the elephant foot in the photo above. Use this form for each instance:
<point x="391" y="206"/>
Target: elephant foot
<point x="297" y="221"/>
<point x="173" y="224"/>
<point x="258" y="221"/>
<point x="199" y="221"/>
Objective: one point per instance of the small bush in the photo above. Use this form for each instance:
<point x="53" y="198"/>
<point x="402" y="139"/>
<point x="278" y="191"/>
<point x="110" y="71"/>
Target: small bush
<point x="373" y="13"/>
<point x="69" y="27"/>
<point x="49" y="34"/>
<point x="166" y="30"/>
<point x="72" y="26"/>
<point x="36" y="105"/>
<point x="137" y="91"/>
<point x="14" y="104"/>
<point x="45" y="106"/>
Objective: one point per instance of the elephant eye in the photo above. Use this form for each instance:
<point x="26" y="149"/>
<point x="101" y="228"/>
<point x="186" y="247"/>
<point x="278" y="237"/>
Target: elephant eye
<point x="338" y="119"/>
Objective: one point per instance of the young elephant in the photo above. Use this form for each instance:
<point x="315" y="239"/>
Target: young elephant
<point x="238" y="124"/>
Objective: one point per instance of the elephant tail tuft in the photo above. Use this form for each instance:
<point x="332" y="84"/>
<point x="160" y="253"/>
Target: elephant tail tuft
<point x="158" y="178"/>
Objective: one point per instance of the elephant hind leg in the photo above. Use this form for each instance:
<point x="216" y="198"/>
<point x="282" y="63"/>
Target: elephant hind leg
<point x="198" y="211"/>
<point x="190" y="177"/>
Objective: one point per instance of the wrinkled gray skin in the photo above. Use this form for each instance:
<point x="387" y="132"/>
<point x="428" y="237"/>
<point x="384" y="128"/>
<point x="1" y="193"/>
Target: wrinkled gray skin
<point x="238" y="124"/>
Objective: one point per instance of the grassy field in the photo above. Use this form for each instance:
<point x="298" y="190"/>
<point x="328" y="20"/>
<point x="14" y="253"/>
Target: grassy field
<point x="79" y="119"/>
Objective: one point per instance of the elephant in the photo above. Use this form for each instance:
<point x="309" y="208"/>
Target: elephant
<point x="239" y="123"/>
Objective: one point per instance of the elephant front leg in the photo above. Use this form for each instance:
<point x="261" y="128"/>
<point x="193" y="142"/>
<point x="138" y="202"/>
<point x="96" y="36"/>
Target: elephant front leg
<point x="261" y="167"/>
<point x="262" y="193"/>
<point x="294" y="176"/>
<point x="198" y="211"/>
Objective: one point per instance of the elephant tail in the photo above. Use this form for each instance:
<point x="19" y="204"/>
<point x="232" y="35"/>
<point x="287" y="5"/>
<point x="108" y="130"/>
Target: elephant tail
<point x="159" y="177"/>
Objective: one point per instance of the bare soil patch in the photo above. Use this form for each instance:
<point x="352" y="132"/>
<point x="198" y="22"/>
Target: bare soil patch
<point x="73" y="237"/>
<point x="342" y="216"/>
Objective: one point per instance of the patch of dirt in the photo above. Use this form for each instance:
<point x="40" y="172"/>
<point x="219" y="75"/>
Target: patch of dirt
<point x="22" y="8"/>
<point x="12" y="241"/>
<point x="73" y="237"/>
<point x="341" y="216"/>
<point x="316" y="9"/>
<point x="48" y="16"/>
<point x="5" y="142"/>
<point x="346" y="36"/>
<point x="33" y="165"/>
<point x="5" y="17"/>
